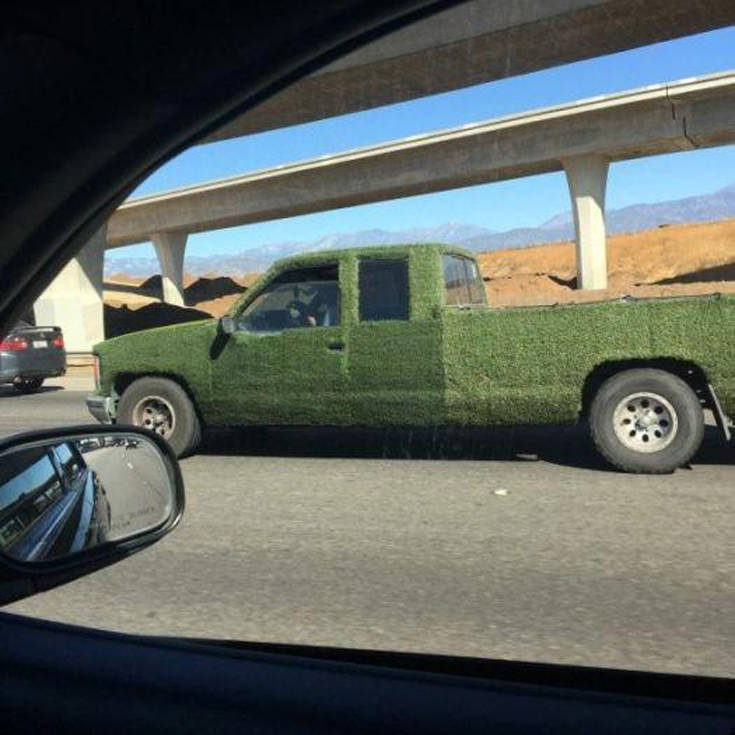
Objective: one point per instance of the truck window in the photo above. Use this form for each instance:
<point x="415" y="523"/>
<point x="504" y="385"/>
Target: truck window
<point x="383" y="287"/>
<point x="301" y="297"/>
<point x="463" y="284"/>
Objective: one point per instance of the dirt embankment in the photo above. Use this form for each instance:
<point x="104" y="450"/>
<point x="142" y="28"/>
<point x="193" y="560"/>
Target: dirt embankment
<point x="667" y="261"/>
<point x="132" y="304"/>
<point x="675" y="260"/>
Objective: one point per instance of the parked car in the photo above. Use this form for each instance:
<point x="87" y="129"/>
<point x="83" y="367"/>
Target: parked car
<point x="29" y="355"/>
<point x="404" y="336"/>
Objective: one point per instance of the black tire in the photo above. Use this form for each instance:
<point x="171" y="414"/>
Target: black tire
<point x="619" y="436"/>
<point x="184" y="433"/>
<point x="28" y="385"/>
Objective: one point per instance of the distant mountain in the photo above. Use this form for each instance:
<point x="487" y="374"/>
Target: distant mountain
<point x="702" y="208"/>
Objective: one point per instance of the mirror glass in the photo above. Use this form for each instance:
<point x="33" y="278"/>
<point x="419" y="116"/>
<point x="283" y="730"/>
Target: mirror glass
<point x="67" y="495"/>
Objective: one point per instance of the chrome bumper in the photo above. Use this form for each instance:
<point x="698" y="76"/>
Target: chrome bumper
<point x="102" y="408"/>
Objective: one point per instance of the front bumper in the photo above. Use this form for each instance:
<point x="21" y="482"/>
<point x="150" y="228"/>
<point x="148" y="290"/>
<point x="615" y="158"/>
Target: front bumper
<point x="102" y="408"/>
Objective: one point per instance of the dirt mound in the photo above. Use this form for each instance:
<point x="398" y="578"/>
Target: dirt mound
<point x="123" y="320"/>
<point x="218" y="307"/>
<point x="123" y="298"/>
<point x="209" y="289"/>
<point x="152" y="286"/>
<point x="124" y="279"/>
<point x="666" y="261"/>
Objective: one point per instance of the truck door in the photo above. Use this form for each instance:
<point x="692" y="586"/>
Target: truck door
<point x="394" y="361"/>
<point x="285" y="364"/>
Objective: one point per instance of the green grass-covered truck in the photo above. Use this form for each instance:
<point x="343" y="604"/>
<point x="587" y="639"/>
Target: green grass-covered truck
<point x="403" y="336"/>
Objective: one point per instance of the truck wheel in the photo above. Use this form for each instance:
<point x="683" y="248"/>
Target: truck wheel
<point x="29" y="385"/>
<point x="162" y="406"/>
<point x="646" y="420"/>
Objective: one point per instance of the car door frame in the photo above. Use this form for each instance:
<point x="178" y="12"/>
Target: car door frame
<point x="314" y="397"/>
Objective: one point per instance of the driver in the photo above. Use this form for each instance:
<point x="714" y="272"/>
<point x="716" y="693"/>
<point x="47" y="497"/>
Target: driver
<point x="319" y="312"/>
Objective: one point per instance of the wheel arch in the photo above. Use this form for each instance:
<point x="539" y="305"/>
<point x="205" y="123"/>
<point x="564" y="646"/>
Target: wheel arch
<point x="690" y="372"/>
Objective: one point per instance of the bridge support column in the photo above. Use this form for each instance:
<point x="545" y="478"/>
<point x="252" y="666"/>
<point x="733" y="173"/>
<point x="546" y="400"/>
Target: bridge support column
<point x="170" y="248"/>
<point x="73" y="300"/>
<point x="587" y="179"/>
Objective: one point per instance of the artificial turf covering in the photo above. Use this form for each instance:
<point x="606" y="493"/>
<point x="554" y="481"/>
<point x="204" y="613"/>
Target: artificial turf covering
<point x="446" y="365"/>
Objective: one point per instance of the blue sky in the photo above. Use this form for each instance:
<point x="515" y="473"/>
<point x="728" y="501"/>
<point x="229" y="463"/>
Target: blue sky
<point x="498" y="206"/>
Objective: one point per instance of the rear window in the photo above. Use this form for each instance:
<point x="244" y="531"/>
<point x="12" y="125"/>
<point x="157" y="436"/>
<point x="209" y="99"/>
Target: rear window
<point x="383" y="290"/>
<point x="462" y="281"/>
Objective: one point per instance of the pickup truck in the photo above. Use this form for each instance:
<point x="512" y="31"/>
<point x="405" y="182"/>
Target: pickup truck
<point x="403" y="336"/>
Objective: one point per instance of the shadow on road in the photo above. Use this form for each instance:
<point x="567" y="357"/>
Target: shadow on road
<point x="7" y="391"/>
<point x="569" y="446"/>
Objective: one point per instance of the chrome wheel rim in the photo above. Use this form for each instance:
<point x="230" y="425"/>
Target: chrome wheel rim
<point x="155" y="414"/>
<point x="645" y="422"/>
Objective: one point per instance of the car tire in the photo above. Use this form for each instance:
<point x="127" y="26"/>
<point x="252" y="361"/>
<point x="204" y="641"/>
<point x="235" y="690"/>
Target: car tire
<point x="162" y="406"/>
<point x="646" y="421"/>
<point x="29" y="385"/>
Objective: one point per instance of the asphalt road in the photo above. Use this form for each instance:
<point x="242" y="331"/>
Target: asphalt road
<point x="509" y="544"/>
<point x="136" y="485"/>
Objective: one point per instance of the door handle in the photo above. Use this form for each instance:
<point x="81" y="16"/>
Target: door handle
<point x="336" y="346"/>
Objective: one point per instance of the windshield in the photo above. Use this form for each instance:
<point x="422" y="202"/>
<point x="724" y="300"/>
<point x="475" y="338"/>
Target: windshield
<point x="454" y="363"/>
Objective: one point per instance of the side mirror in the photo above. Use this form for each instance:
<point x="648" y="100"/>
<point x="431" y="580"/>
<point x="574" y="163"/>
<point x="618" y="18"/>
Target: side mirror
<point x="227" y="325"/>
<point x="74" y="500"/>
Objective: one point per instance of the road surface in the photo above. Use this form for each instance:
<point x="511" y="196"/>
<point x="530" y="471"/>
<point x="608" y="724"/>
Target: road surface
<point x="136" y="485"/>
<point x="508" y="544"/>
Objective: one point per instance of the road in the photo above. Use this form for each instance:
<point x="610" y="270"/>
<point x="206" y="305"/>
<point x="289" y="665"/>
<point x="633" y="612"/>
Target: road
<point x="508" y="544"/>
<point x="136" y="486"/>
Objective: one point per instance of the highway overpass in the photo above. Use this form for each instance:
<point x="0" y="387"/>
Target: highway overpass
<point x="582" y="138"/>
<point x="475" y="42"/>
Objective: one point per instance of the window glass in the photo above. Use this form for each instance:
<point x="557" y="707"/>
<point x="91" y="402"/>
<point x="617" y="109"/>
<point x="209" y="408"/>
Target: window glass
<point x="475" y="283"/>
<point x="303" y="297"/>
<point x="462" y="281"/>
<point x="22" y="507"/>
<point x="383" y="290"/>
<point x="71" y="463"/>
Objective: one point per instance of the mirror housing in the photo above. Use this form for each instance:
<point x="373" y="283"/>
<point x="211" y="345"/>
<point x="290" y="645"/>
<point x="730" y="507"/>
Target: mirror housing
<point x="76" y="499"/>
<point x="227" y="324"/>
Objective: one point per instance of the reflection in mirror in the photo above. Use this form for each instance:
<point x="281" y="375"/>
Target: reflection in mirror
<point x="63" y="496"/>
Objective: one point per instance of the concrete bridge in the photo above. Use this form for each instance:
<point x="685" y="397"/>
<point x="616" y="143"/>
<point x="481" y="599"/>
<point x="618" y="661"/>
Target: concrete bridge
<point x="469" y="44"/>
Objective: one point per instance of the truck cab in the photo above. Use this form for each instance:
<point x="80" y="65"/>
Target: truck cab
<point x="347" y="337"/>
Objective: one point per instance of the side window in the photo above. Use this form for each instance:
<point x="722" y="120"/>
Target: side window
<point x="383" y="288"/>
<point x="475" y="283"/>
<point x="455" y="291"/>
<point x="301" y="297"/>
<point x="462" y="281"/>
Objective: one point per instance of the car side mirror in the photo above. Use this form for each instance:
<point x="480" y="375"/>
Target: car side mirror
<point x="227" y="325"/>
<point x="75" y="500"/>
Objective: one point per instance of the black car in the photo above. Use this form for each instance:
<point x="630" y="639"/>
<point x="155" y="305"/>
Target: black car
<point x="29" y="355"/>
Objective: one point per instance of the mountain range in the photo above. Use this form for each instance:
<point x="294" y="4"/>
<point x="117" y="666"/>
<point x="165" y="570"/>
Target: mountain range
<point x="701" y="208"/>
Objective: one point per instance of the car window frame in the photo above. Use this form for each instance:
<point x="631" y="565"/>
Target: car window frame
<point x="250" y="299"/>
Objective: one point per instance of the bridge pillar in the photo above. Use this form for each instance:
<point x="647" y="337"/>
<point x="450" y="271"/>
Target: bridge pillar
<point x="170" y="248"/>
<point x="587" y="179"/>
<point x="73" y="300"/>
